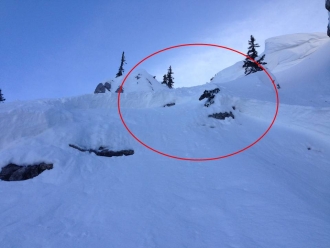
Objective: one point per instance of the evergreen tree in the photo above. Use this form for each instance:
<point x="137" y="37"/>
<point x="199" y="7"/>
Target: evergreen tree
<point x="170" y="81"/>
<point x="165" y="79"/>
<point x="2" y="99"/>
<point x="121" y="67"/>
<point x="250" y="66"/>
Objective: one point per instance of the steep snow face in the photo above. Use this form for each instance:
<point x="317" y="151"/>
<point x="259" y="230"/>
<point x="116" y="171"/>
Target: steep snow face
<point x="285" y="51"/>
<point x="138" y="81"/>
<point x="310" y="78"/>
<point x="298" y="63"/>
<point x="282" y="53"/>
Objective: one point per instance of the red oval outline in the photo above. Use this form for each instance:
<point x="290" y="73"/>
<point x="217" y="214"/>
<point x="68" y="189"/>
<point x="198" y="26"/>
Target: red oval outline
<point x="200" y="159"/>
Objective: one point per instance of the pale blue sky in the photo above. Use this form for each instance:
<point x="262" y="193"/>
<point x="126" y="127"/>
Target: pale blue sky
<point x="65" y="48"/>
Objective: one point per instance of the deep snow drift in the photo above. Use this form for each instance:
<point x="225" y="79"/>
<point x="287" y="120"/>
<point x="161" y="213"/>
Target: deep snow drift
<point x="275" y="194"/>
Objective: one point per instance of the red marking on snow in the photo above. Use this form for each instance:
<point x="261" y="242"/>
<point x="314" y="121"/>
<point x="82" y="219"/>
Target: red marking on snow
<point x="200" y="159"/>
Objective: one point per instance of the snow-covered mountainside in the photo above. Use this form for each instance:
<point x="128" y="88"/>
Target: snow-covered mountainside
<point x="275" y="194"/>
<point x="281" y="52"/>
<point x="299" y="63"/>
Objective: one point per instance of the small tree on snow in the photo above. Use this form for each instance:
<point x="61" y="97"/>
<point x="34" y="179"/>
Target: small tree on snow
<point x="165" y="81"/>
<point x="250" y="66"/>
<point x="121" y="68"/>
<point x="170" y="81"/>
<point x="2" y="99"/>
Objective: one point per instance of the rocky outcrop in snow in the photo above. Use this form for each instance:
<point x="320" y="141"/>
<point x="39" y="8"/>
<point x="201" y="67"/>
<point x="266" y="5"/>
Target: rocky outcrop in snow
<point x="104" y="152"/>
<point x="209" y="94"/>
<point x="100" y="88"/>
<point x="222" y="116"/>
<point x="169" y="104"/>
<point x="13" y="172"/>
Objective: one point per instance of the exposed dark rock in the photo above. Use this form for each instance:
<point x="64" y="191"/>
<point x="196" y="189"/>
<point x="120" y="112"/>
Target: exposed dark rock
<point x="99" y="89"/>
<point x="103" y="151"/>
<point x="209" y="94"/>
<point x="222" y="116"/>
<point x="278" y="86"/>
<point x="169" y="104"/>
<point x="13" y="172"/>
<point x="107" y="86"/>
<point x="234" y="108"/>
<point x="109" y="153"/>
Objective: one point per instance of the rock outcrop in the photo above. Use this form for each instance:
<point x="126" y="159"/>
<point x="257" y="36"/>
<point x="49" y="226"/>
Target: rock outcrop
<point x="13" y="172"/>
<point x="209" y="94"/>
<point x="169" y="104"/>
<point x="104" y="152"/>
<point x="107" y="86"/>
<point x="100" y="88"/>
<point x="222" y="116"/>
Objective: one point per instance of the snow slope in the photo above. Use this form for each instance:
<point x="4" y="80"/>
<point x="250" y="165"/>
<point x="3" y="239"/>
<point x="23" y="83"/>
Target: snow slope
<point x="281" y="52"/>
<point x="274" y="194"/>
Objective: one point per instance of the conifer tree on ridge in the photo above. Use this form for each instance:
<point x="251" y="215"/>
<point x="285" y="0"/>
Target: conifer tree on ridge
<point x="2" y="99"/>
<point x="121" y="68"/>
<point x="250" y="66"/>
<point x="169" y="77"/>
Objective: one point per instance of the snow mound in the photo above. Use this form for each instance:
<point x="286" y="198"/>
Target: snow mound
<point x="138" y="81"/>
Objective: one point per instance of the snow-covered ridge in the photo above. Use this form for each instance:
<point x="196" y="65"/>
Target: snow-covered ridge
<point x="282" y="52"/>
<point x="138" y="81"/>
<point x="285" y="51"/>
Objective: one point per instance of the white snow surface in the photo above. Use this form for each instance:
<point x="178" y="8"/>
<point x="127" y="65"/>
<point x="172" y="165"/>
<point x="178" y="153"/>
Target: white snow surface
<point x="274" y="194"/>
